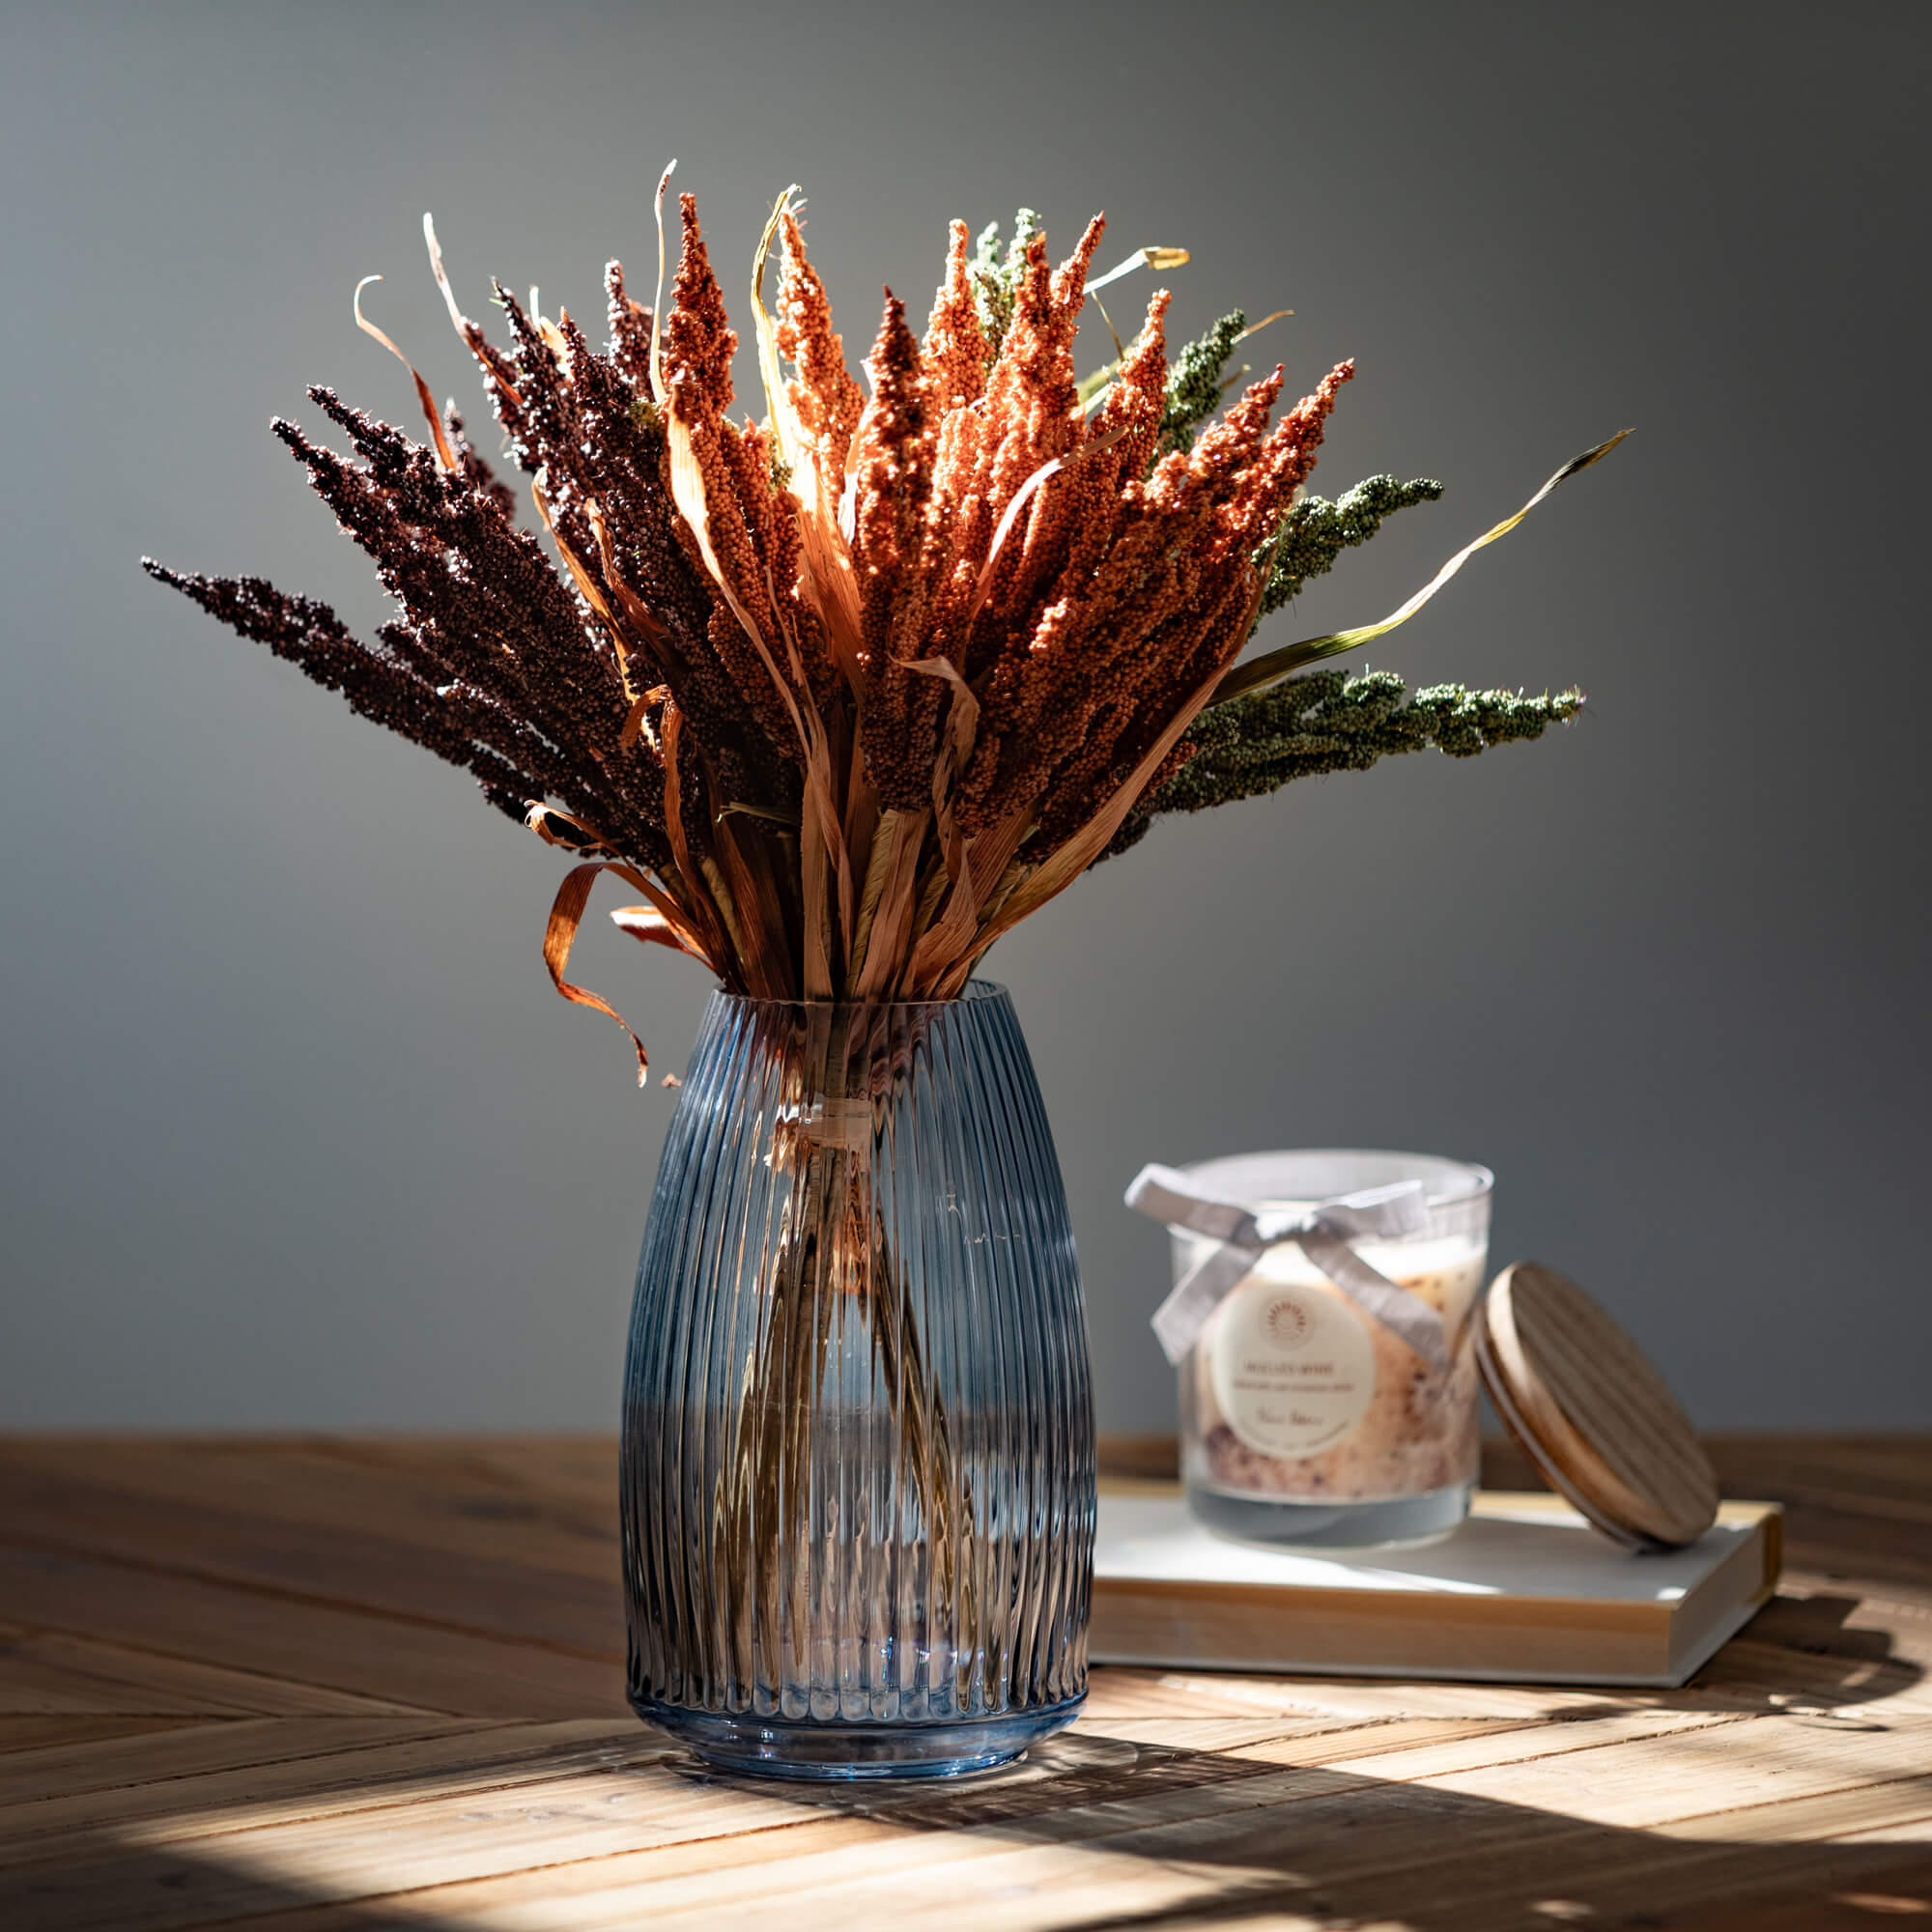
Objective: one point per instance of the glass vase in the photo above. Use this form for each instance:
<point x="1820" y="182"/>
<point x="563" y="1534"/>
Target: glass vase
<point x="858" y="1442"/>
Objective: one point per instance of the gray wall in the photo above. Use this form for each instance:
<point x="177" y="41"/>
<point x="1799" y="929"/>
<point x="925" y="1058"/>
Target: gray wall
<point x="294" y="1132"/>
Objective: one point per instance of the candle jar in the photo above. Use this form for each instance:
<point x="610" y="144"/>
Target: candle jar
<point x="1304" y="1420"/>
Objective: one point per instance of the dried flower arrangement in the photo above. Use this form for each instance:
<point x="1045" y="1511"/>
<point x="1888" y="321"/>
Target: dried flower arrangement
<point x="846" y="693"/>
<point x="844" y="696"/>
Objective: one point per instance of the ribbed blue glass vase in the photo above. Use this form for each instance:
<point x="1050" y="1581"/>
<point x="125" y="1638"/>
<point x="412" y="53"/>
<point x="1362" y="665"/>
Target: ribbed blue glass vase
<point x="858" y="1450"/>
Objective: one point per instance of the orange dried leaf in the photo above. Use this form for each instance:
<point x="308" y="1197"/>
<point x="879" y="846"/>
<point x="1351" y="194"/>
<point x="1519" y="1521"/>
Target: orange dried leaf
<point x="444" y="454"/>
<point x="566" y="914"/>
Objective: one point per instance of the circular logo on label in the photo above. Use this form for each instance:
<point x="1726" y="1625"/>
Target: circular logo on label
<point x="1293" y="1369"/>
<point x="1289" y="1324"/>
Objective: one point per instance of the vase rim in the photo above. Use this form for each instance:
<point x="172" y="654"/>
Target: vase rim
<point x="973" y="993"/>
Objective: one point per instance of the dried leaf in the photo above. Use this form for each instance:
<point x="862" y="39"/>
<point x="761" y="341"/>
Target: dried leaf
<point x="559" y="828"/>
<point x="566" y="914"/>
<point x="441" y="275"/>
<point x="1023" y="495"/>
<point x="751" y="893"/>
<point x="650" y="927"/>
<point x="657" y="301"/>
<point x="1256" y="328"/>
<point x="637" y="721"/>
<point x="822" y="854"/>
<point x="1066" y="865"/>
<point x="1113" y="333"/>
<point x="588" y="585"/>
<point x="963" y="721"/>
<point x="824" y="537"/>
<point x="692" y="875"/>
<point x="1157" y="259"/>
<point x="898" y="902"/>
<point x="1272" y="666"/>
<point x="444" y="453"/>
<point x="769" y="814"/>
<point x="877" y="863"/>
<point x="687" y="489"/>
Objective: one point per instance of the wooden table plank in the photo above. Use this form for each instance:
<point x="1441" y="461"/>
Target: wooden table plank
<point x="348" y="1563"/>
<point x="381" y="1662"/>
<point x="362" y="1685"/>
<point x="52" y="1772"/>
<point x="514" y="1509"/>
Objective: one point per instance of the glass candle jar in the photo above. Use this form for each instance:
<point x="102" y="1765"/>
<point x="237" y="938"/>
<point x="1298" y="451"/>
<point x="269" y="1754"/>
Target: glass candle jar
<point x="1304" y="1419"/>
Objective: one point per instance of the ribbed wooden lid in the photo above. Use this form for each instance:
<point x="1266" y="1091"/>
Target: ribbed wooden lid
<point x="1592" y="1412"/>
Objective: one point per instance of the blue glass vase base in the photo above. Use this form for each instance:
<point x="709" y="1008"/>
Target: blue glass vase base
<point x="765" y="1747"/>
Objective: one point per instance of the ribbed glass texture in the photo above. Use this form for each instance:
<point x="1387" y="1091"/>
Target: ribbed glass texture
<point x="858" y="1453"/>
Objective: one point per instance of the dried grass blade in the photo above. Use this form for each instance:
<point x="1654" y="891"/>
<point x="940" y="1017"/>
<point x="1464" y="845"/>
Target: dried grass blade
<point x="1256" y="328"/>
<point x="1113" y="333"/>
<point x="828" y="561"/>
<point x="821" y="838"/>
<point x="964" y="719"/>
<point x="1066" y="865"/>
<point x="951" y="931"/>
<point x="552" y="827"/>
<point x="687" y="489"/>
<point x="878" y="862"/>
<point x="637" y="721"/>
<point x="1022" y="497"/>
<point x="755" y="892"/>
<point x="769" y="814"/>
<point x="675" y="915"/>
<point x="646" y="924"/>
<point x="814" y="879"/>
<point x="951" y="936"/>
<point x="636" y="612"/>
<point x="441" y="274"/>
<point x="566" y="914"/>
<point x="588" y="585"/>
<point x="695" y="881"/>
<point x="444" y="453"/>
<point x="658" y="391"/>
<point x="898" y="902"/>
<point x="750" y="966"/>
<point x="862" y="817"/>
<point x="1156" y="258"/>
<point x="993" y="853"/>
<point x="778" y="405"/>
<point x="1093" y="388"/>
<point x="1272" y="666"/>
<point x="465" y="328"/>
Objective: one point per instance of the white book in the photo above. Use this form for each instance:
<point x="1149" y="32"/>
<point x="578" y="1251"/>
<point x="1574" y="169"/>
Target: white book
<point x="1524" y="1592"/>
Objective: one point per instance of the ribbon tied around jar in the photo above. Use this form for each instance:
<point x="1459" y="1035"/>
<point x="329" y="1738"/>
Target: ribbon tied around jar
<point x="1323" y="1232"/>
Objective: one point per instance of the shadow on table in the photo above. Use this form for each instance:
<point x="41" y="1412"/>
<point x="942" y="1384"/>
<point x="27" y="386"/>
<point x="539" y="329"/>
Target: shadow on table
<point x="1154" y="1837"/>
<point x="1339" y="1849"/>
<point x="1151" y="1839"/>
<point x="1799" y="1656"/>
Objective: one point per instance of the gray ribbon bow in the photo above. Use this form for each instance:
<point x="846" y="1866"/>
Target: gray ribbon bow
<point x="1323" y="1234"/>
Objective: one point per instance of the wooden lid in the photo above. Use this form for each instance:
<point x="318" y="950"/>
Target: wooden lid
<point x="1592" y="1412"/>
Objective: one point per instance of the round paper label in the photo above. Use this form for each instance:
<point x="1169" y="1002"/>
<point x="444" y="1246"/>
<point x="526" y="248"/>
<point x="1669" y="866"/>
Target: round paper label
<point x="1293" y="1368"/>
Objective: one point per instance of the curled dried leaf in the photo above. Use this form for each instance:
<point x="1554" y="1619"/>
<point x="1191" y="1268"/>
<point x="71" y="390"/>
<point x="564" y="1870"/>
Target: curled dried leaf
<point x="444" y="454"/>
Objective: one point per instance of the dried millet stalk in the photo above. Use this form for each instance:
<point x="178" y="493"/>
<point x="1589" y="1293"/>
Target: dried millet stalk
<point x="849" y="693"/>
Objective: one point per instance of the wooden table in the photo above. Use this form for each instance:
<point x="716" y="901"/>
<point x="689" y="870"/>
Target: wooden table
<point x="351" y="1684"/>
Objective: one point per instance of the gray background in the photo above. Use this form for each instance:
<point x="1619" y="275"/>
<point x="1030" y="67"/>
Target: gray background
<point x="294" y="1131"/>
